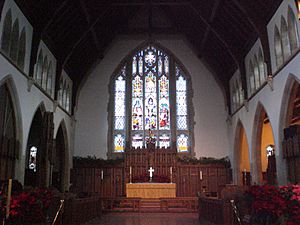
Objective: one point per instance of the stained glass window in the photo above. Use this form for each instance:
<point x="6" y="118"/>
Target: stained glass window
<point x="119" y="111"/>
<point x="150" y="102"/>
<point x="182" y="143"/>
<point x="32" y="158"/>
<point x="119" y="143"/>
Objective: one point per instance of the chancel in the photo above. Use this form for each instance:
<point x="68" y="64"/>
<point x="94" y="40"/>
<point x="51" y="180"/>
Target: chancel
<point x="148" y="107"/>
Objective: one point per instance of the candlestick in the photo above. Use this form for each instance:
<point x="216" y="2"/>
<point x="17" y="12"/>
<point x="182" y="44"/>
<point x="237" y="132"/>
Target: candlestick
<point x="130" y="170"/>
<point x="101" y="174"/>
<point x="200" y="174"/>
<point x="8" y="197"/>
<point x="171" y="170"/>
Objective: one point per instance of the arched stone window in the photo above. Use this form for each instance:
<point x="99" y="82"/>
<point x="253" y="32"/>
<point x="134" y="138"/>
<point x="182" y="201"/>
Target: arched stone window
<point x="261" y="66"/>
<point x="256" y="73"/>
<point x="49" y="79"/>
<point x="285" y="39"/>
<point x="251" y="77"/>
<point x="68" y="99"/>
<point x="293" y="31"/>
<point x="45" y="73"/>
<point x="22" y="50"/>
<point x="60" y="93"/>
<point x="8" y="143"/>
<point x="64" y="96"/>
<point x="278" y="48"/>
<point x="39" y="68"/>
<point x="150" y="98"/>
<point x="6" y="33"/>
<point x="14" y="43"/>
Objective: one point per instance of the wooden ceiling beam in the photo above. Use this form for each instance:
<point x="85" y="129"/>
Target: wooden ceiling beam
<point x="211" y="19"/>
<point x="88" y="19"/>
<point x="225" y="44"/>
<point x="91" y="26"/>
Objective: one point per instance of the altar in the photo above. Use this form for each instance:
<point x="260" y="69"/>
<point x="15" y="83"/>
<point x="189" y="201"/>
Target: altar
<point x="150" y="190"/>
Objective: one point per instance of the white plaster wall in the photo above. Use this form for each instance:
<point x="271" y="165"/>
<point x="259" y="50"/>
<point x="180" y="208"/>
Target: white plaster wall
<point x="23" y="22"/>
<point x="276" y="20"/>
<point x="210" y="129"/>
<point x="272" y="102"/>
<point x="28" y="102"/>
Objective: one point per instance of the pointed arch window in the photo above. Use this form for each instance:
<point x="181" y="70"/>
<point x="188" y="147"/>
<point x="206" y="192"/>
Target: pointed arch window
<point x="6" y="34"/>
<point x="278" y="48"/>
<point x="285" y="39"/>
<point x="142" y="103"/>
<point x="293" y="31"/>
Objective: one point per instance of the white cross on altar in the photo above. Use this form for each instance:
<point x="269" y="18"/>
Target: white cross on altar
<point x="151" y="170"/>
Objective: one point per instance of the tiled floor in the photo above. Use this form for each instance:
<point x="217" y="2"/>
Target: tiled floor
<point x="148" y="219"/>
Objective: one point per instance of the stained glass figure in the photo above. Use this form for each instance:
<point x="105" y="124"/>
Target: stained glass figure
<point x="120" y="103"/>
<point x="164" y="104"/>
<point x="160" y="66"/>
<point x="119" y="143"/>
<point x="141" y="66"/>
<point x="182" y="143"/>
<point x="150" y="102"/>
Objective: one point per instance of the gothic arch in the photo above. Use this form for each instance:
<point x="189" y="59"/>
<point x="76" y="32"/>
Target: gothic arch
<point x="61" y="169"/>
<point x="258" y="162"/>
<point x="34" y="165"/>
<point x="289" y="94"/>
<point x="239" y="159"/>
<point x="14" y="43"/>
<point x="10" y="84"/>
<point x="22" y="49"/>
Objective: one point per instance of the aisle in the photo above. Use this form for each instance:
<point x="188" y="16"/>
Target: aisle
<point x="148" y="219"/>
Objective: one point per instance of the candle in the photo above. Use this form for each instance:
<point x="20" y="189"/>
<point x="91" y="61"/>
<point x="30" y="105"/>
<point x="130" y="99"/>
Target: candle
<point x="8" y="197"/>
<point x="101" y="174"/>
<point x="130" y="170"/>
<point x="171" y="170"/>
<point x="200" y="174"/>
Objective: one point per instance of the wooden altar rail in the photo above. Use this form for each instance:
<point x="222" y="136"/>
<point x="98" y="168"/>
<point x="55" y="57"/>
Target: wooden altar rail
<point x="79" y="211"/>
<point x="217" y="211"/>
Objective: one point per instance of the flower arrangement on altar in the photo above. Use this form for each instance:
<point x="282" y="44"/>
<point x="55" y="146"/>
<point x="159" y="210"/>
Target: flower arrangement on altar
<point x="143" y="178"/>
<point x="271" y="205"/>
<point x="27" y="207"/>
<point x="151" y="139"/>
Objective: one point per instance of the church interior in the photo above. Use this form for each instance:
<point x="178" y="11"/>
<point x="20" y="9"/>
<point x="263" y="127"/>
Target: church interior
<point x="157" y="106"/>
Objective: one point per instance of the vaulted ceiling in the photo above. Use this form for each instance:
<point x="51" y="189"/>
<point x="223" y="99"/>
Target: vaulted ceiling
<point x="79" y="31"/>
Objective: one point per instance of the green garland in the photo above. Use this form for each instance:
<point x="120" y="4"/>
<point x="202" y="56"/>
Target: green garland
<point x="205" y="160"/>
<point x="93" y="161"/>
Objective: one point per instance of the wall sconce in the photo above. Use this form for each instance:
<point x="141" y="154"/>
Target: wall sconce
<point x="270" y="149"/>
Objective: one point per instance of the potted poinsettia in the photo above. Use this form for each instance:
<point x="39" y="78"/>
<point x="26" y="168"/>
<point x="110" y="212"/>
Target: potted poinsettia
<point x="274" y="205"/>
<point x="29" y="207"/>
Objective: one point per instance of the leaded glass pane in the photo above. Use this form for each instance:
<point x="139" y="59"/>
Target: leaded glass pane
<point x="164" y="104"/>
<point x="120" y="103"/>
<point x="119" y="143"/>
<point x="159" y="66"/>
<point x="141" y="66"/>
<point x="166" y="65"/>
<point x="137" y="141"/>
<point x="181" y="103"/>
<point x="182" y="143"/>
<point x="134" y="65"/>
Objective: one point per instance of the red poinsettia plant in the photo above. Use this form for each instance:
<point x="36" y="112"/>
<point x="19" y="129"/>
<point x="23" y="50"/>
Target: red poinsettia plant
<point x="143" y="178"/>
<point x="274" y="205"/>
<point x="28" y="207"/>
